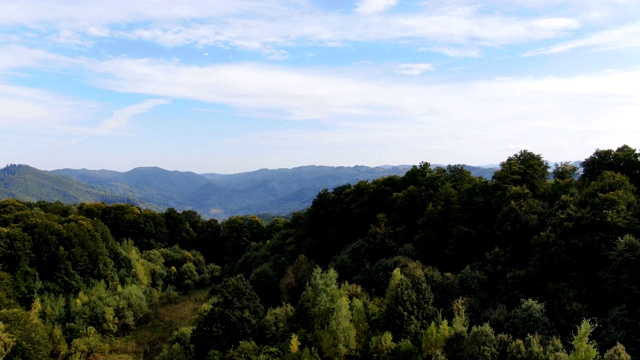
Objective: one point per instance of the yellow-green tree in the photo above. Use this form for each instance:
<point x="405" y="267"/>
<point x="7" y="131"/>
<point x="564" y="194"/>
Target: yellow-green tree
<point x="6" y="342"/>
<point x="583" y="347"/>
<point x="327" y="307"/>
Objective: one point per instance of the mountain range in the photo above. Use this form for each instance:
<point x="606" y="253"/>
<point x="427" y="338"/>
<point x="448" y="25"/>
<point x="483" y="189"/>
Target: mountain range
<point x="265" y="191"/>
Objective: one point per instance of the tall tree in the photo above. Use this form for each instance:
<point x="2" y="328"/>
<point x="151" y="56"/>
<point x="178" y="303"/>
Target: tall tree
<point x="481" y="344"/>
<point x="583" y="347"/>
<point x="524" y="169"/>
<point x="624" y="160"/>
<point x="409" y="301"/>
<point x="326" y="306"/>
<point x="234" y="316"/>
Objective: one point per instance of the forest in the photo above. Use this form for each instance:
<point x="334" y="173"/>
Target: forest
<point x="537" y="262"/>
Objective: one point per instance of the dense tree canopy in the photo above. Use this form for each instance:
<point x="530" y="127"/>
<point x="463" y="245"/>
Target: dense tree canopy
<point x="435" y="264"/>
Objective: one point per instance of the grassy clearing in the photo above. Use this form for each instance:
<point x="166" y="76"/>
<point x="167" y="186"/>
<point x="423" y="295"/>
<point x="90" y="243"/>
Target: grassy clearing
<point x="146" y="341"/>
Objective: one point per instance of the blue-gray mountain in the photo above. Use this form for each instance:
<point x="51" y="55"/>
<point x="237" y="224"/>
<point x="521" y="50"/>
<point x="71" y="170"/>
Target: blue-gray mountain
<point x="276" y="192"/>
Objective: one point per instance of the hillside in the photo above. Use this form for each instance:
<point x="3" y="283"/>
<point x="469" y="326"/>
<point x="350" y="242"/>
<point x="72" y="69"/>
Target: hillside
<point x="265" y="191"/>
<point x="278" y="192"/>
<point x="30" y="184"/>
<point x="161" y="188"/>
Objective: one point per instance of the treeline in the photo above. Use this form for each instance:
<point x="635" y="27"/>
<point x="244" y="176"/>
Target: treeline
<point x="536" y="263"/>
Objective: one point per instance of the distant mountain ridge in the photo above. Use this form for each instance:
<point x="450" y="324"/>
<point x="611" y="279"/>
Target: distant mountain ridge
<point x="277" y="191"/>
<point x="26" y="183"/>
<point x="264" y="191"/>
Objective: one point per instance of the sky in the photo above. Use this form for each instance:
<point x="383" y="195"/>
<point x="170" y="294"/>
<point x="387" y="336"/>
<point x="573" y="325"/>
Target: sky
<point x="234" y="86"/>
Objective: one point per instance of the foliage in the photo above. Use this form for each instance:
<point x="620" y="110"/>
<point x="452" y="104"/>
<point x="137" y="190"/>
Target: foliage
<point x="233" y="317"/>
<point x="6" y="342"/>
<point x="481" y="343"/>
<point x="583" y="347"/>
<point x="433" y="264"/>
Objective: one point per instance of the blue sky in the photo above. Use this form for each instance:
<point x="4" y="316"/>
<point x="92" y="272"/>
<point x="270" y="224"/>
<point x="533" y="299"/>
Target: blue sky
<point x="232" y="86"/>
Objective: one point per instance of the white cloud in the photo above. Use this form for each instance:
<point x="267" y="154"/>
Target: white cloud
<point x="14" y="57"/>
<point x="270" y="26"/>
<point x="121" y="117"/>
<point x="424" y="30"/>
<point x="414" y="69"/>
<point x="627" y="36"/>
<point x="37" y="109"/>
<point x="374" y="6"/>
<point x="453" y="52"/>
<point x="483" y="109"/>
<point x="70" y="37"/>
<point x="76" y="14"/>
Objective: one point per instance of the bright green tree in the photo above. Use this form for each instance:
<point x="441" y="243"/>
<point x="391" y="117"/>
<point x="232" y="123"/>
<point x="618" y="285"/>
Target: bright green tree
<point x="338" y="338"/>
<point x="327" y="307"/>
<point x="435" y="338"/>
<point x="380" y="346"/>
<point x="583" y="347"/>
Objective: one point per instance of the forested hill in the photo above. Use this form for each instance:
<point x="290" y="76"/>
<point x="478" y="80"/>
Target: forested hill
<point x="276" y="192"/>
<point x="27" y="183"/>
<point x="534" y="263"/>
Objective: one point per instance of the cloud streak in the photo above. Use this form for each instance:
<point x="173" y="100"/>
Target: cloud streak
<point x="623" y="37"/>
<point x="121" y="118"/>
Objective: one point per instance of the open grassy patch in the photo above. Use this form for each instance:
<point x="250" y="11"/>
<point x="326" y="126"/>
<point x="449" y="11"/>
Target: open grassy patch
<point x="146" y="341"/>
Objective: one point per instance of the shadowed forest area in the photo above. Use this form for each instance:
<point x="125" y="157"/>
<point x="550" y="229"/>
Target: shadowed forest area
<point x="534" y="263"/>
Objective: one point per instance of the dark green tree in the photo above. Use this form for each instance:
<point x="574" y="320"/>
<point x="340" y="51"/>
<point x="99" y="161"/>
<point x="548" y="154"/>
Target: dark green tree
<point x="529" y="318"/>
<point x="624" y="160"/>
<point x="234" y="316"/>
<point x="409" y="303"/>
<point x="481" y="344"/>
<point x="524" y="169"/>
<point x="29" y="333"/>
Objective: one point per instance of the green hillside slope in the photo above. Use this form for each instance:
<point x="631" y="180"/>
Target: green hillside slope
<point x="27" y="183"/>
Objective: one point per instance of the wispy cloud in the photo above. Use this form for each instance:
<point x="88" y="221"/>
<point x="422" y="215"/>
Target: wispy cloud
<point x="454" y="52"/>
<point x="13" y="57"/>
<point x="374" y="6"/>
<point x="36" y="109"/>
<point x="307" y="94"/>
<point x="273" y="27"/>
<point x="112" y="125"/>
<point x="623" y="37"/>
<point x="414" y="69"/>
<point x="71" y="38"/>
<point x="120" y="118"/>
